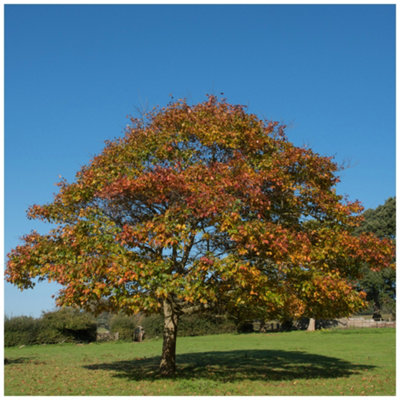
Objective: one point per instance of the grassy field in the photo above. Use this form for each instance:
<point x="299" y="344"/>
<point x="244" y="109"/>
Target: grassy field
<point x="337" y="362"/>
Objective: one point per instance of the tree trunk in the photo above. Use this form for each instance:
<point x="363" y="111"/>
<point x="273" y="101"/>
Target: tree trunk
<point x="311" y="325"/>
<point x="167" y="365"/>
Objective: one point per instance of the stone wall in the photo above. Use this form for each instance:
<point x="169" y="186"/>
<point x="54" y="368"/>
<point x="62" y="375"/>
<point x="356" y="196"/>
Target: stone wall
<point x="359" y="322"/>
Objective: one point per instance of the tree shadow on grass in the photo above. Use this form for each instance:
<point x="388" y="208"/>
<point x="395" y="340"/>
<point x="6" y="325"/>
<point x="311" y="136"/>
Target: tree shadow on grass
<point x="270" y="365"/>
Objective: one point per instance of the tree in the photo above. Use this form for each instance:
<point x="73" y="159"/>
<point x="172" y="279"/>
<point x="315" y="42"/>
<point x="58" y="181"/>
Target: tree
<point x="380" y="286"/>
<point x="201" y="206"/>
<point x="381" y="221"/>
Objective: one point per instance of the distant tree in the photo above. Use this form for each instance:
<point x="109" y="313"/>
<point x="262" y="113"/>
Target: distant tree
<point x="380" y="285"/>
<point x="198" y="206"/>
<point x="381" y="221"/>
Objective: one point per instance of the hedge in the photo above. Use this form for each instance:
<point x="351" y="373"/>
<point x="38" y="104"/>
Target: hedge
<point x="64" y="325"/>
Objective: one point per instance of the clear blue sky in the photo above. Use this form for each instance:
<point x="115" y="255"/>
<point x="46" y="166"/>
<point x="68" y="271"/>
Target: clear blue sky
<point x="73" y="74"/>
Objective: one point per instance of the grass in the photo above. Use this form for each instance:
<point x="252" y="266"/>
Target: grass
<point x="337" y="362"/>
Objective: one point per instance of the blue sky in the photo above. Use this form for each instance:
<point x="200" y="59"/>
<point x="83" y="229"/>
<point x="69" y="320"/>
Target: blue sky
<point x="73" y="73"/>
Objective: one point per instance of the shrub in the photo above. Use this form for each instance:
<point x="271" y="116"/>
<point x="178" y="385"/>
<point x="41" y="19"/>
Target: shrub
<point x="64" y="325"/>
<point x="67" y="325"/>
<point x="20" y="331"/>
<point x="125" y="326"/>
<point x="153" y="325"/>
<point x="205" y="324"/>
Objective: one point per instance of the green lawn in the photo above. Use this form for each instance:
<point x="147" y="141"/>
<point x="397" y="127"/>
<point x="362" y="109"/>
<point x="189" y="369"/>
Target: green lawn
<point x="337" y="362"/>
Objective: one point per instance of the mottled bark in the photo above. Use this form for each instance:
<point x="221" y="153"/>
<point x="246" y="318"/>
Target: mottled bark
<point x="167" y="365"/>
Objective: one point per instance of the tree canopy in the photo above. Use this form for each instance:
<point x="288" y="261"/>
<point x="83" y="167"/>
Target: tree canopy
<point x="199" y="205"/>
<point x="381" y="221"/>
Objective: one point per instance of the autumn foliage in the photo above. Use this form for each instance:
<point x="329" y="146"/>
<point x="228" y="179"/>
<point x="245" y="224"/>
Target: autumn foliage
<point x="197" y="206"/>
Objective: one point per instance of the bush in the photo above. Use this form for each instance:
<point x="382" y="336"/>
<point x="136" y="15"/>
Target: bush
<point x="64" y="325"/>
<point x="67" y="325"/>
<point x="190" y="325"/>
<point x="153" y="325"/>
<point x="124" y="325"/>
<point x="205" y="324"/>
<point x="20" y="331"/>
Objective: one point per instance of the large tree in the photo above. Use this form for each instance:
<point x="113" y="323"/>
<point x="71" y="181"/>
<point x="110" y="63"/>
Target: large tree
<point x="198" y="206"/>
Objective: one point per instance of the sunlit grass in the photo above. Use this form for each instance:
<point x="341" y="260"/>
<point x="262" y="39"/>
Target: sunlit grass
<point x="342" y="362"/>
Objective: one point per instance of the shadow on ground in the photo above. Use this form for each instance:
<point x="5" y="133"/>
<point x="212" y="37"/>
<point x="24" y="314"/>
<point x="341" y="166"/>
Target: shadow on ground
<point x="271" y="365"/>
<point x="20" y="360"/>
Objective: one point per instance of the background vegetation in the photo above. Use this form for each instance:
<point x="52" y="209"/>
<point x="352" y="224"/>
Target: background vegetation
<point x="380" y="286"/>
<point x="64" y="325"/>
<point x="72" y="326"/>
